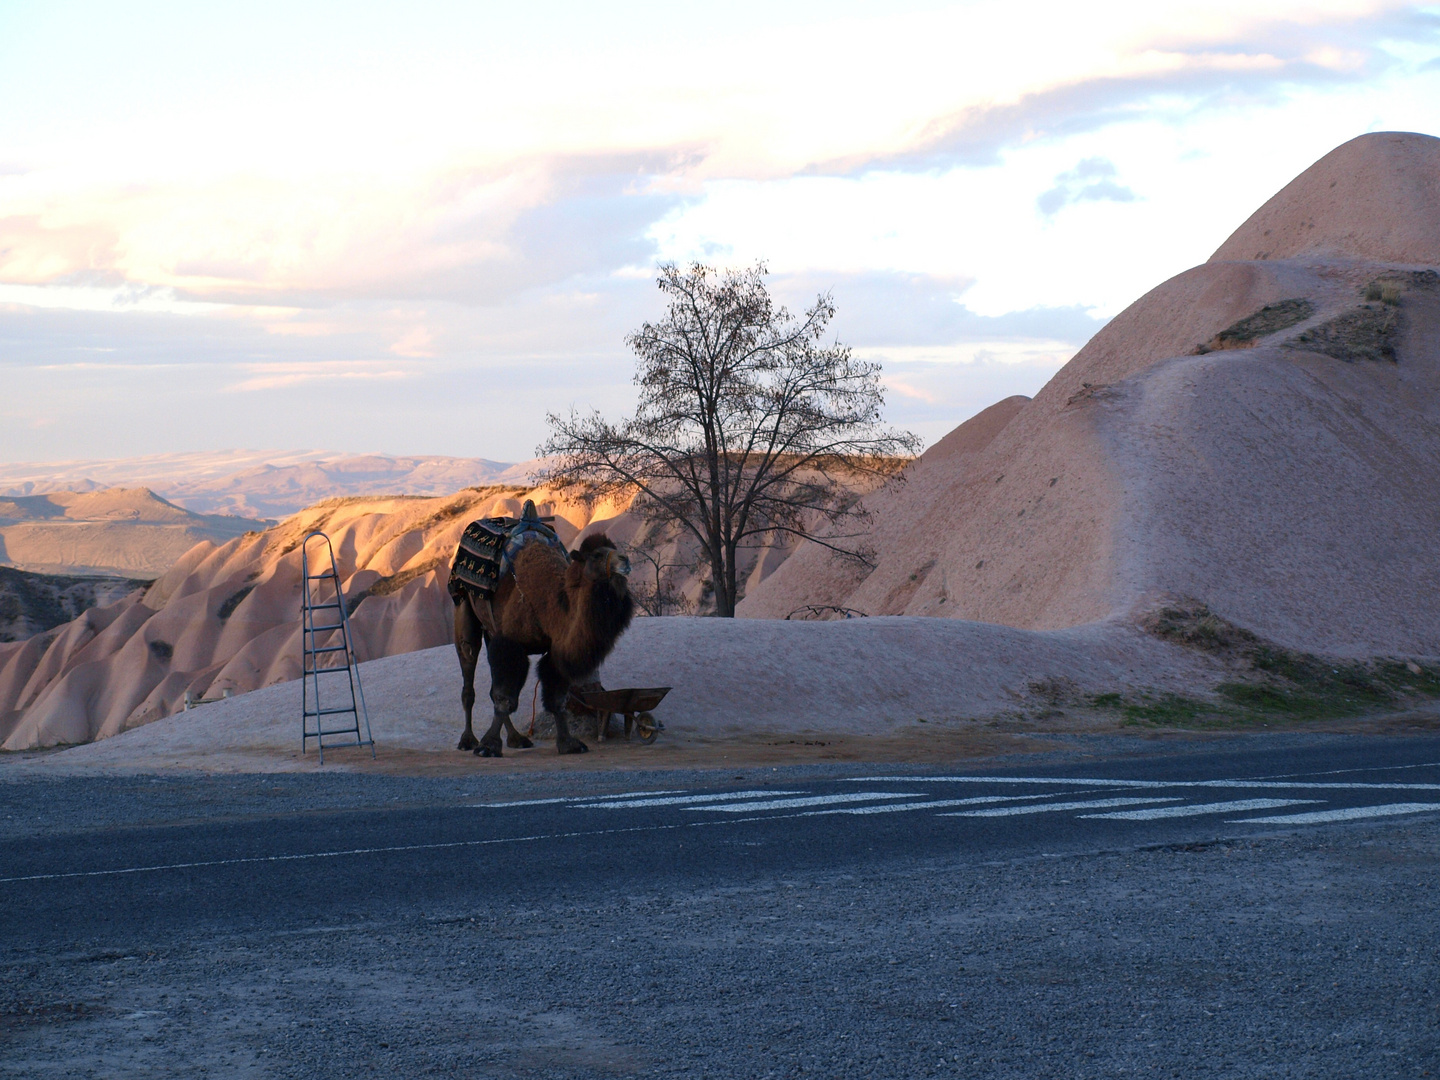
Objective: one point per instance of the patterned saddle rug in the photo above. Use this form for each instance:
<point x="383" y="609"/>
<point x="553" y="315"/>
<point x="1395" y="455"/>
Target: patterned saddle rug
<point x="488" y="548"/>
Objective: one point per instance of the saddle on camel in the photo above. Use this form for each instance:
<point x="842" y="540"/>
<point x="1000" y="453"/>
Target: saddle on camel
<point x="517" y="590"/>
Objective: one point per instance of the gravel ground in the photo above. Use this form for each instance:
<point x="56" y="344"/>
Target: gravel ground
<point x="1310" y="955"/>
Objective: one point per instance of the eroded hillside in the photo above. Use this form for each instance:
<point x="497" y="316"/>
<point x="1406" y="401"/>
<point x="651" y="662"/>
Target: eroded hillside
<point x="226" y="616"/>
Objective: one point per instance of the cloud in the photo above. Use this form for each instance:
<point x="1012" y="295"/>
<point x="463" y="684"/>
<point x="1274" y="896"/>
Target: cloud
<point x="416" y="342"/>
<point x="1092" y="180"/>
<point x="467" y="233"/>
<point x="1175" y="78"/>
<point x="120" y="383"/>
<point x="35" y="250"/>
<point x="887" y="309"/>
<point x="271" y="376"/>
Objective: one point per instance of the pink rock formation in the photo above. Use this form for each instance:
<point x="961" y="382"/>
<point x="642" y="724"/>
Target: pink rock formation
<point x="227" y="617"/>
<point x="1374" y="198"/>
<point x="1286" y="478"/>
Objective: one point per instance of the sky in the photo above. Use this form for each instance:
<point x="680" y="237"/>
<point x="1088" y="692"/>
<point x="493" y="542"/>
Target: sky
<point x="416" y="229"/>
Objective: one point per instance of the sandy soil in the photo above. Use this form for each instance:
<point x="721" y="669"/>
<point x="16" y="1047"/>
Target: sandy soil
<point x="884" y="689"/>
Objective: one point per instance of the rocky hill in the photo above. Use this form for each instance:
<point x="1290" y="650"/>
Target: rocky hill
<point x="1260" y="434"/>
<point x="30" y="604"/>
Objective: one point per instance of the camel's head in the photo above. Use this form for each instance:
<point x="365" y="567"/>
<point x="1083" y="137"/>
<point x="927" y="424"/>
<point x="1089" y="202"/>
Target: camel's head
<point x="597" y="560"/>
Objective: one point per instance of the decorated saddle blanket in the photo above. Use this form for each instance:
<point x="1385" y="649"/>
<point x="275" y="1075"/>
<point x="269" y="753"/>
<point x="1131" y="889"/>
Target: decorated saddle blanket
<point x="488" y="548"/>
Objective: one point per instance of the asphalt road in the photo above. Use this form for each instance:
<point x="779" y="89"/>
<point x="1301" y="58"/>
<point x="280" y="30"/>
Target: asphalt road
<point x="1254" y="907"/>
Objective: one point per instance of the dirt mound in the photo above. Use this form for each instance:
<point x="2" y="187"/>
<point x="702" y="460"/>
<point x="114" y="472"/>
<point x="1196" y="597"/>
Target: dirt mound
<point x="1375" y="198"/>
<point x="764" y="681"/>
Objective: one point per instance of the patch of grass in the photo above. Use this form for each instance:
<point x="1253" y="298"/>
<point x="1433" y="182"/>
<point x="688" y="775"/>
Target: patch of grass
<point x="1263" y="700"/>
<point x="1391" y="286"/>
<point x="1408" y="677"/>
<point x="1270" y="319"/>
<point x="453" y="509"/>
<point x="1364" y="333"/>
<point x="1271" y="684"/>
<point x="395" y="582"/>
<point x="1169" y="710"/>
<point x="1387" y="292"/>
<point x="1196" y="625"/>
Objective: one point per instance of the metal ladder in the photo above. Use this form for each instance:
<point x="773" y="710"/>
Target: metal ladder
<point x="312" y="637"/>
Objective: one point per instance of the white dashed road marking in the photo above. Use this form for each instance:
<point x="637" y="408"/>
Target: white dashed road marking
<point x="813" y="800"/>
<point x="684" y="800"/>
<point x="1198" y="809"/>
<point x="890" y="808"/>
<point x="1050" y="808"/>
<point x="572" y="799"/>
<point x="1350" y="813"/>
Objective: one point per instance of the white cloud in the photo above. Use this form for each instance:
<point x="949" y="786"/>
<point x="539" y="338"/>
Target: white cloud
<point x="1092" y="180"/>
<point x="478" y="195"/>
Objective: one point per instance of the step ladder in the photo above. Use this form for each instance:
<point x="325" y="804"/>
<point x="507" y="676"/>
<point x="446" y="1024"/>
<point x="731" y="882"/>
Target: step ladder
<point x="327" y="654"/>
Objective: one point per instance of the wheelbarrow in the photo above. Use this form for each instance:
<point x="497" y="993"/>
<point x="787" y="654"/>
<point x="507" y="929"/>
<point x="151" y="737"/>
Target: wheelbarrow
<point x="634" y="704"/>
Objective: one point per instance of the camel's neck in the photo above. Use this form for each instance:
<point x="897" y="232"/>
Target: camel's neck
<point x="597" y="617"/>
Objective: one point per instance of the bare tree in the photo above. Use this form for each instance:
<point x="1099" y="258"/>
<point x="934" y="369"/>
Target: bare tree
<point x="748" y="426"/>
<point x="652" y="589"/>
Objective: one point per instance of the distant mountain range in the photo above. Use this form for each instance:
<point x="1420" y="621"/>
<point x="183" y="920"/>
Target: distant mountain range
<point x="262" y="484"/>
<point x="129" y="532"/>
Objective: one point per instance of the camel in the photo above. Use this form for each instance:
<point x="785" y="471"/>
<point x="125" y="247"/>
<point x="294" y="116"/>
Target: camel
<point x="569" y="613"/>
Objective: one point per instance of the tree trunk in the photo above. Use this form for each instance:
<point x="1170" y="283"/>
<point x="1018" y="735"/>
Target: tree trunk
<point x="725" y="598"/>
<point x="720" y="583"/>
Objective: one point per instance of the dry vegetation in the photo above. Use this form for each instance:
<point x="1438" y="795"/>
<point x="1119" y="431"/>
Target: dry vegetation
<point x="1273" y="684"/>
<point x="1270" y="319"/>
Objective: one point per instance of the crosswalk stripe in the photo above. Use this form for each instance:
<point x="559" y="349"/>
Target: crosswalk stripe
<point x="1197" y="809"/>
<point x="890" y="808"/>
<point x="684" y="800"/>
<point x="1047" y="808"/>
<point x="813" y="800"/>
<point x="1350" y="813"/>
<point x="570" y="799"/>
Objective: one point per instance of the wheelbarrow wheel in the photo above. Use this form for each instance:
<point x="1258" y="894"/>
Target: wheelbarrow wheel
<point x="647" y="727"/>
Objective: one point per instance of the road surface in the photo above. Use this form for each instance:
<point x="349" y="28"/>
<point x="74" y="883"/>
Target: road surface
<point x="1246" y="907"/>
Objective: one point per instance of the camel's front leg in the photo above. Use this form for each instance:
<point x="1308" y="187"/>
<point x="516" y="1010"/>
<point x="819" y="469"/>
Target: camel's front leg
<point x="490" y="745"/>
<point x="554" y="690"/>
<point x="508" y="667"/>
<point x="468" y="635"/>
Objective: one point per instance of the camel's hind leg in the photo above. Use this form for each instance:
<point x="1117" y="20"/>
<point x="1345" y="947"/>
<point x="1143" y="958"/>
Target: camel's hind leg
<point x="554" y="689"/>
<point x="508" y="668"/>
<point x="469" y="635"/>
